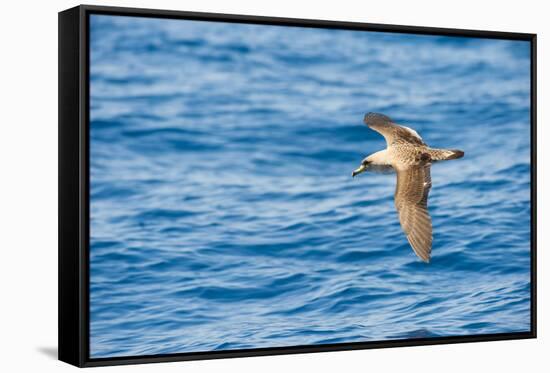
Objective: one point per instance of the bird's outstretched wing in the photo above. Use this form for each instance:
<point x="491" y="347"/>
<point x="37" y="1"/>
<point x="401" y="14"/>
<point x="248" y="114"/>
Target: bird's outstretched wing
<point x="411" y="201"/>
<point x="393" y="133"/>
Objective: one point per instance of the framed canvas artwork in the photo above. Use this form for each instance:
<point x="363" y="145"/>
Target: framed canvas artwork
<point x="240" y="185"/>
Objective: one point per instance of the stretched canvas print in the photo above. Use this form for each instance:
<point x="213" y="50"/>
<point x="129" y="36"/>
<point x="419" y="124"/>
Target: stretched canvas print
<point x="263" y="186"/>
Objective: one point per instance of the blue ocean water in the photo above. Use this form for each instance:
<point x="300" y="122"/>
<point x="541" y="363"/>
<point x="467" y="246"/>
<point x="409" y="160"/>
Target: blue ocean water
<point x="223" y="212"/>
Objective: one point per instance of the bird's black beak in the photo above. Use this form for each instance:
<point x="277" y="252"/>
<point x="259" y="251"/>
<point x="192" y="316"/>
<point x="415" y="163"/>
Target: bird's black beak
<point x="361" y="169"/>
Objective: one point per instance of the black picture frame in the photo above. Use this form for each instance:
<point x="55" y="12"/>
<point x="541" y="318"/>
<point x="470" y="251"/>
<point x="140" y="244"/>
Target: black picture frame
<point x="74" y="197"/>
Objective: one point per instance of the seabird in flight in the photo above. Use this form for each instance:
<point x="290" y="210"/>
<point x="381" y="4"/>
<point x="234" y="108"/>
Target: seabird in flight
<point x="411" y="158"/>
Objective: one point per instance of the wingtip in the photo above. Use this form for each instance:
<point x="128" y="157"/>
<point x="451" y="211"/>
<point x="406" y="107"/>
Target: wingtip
<point x="422" y="253"/>
<point x="373" y="118"/>
<point x="424" y="259"/>
<point x="423" y="256"/>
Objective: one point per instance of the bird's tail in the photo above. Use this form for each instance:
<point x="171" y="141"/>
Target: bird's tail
<point x="445" y="154"/>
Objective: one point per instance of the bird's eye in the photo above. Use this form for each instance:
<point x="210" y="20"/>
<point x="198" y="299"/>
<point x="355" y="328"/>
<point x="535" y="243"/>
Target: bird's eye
<point x="365" y="162"/>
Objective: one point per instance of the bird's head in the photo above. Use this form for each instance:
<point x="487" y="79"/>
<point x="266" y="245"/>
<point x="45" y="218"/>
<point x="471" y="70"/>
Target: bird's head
<point x="362" y="168"/>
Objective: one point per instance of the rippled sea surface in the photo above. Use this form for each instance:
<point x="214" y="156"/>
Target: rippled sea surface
<point x="223" y="212"/>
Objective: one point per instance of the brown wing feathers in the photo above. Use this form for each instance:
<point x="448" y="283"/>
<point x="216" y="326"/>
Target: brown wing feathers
<point x="411" y="201"/>
<point x="393" y="133"/>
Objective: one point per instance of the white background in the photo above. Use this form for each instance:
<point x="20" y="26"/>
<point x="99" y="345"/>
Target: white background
<point x="28" y="185"/>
